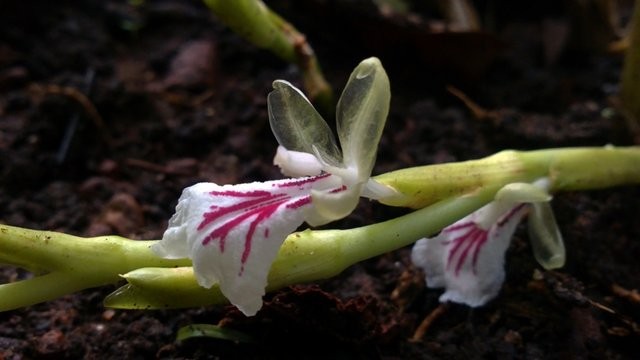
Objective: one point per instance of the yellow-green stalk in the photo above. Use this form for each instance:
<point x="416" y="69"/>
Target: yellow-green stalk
<point x="254" y="21"/>
<point x="444" y="193"/>
<point x="630" y="81"/>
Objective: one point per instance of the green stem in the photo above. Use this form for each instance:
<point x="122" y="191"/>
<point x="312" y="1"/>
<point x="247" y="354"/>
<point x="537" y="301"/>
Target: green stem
<point x="251" y="19"/>
<point x="39" y="289"/>
<point x="630" y="80"/>
<point x="568" y="169"/>
<point x="452" y="191"/>
<point x="70" y="263"/>
<point x="305" y="256"/>
<point x="254" y="21"/>
<point x="457" y="189"/>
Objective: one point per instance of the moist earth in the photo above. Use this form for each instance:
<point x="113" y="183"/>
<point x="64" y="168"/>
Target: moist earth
<point x="108" y="110"/>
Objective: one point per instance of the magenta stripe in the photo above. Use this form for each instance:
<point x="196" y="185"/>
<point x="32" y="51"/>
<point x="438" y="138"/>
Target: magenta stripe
<point x="511" y="213"/>
<point x="235" y="193"/>
<point x="476" y="252"/>
<point x="248" y="240"/>
<point x="299" y="203"/>
<point x="244" y="205"/>
<point x="474" y="236"/>
<point x="455" y="227"/>
<point x="457" y="243"/>
<point x="303" y="181"/>
<point x="223" y="230"/>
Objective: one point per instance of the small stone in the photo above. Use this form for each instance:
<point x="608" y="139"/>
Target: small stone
<point x="51" y="343"/>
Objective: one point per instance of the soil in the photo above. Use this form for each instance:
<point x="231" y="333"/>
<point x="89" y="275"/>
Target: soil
<point x="108" y="110"/>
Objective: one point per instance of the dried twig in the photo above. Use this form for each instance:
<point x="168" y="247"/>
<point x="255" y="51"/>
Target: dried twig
<point x="428" y="321"/>
<point x="74" y="94"/>
<point x="478" y="111"/>
<point x="631" y="295"/>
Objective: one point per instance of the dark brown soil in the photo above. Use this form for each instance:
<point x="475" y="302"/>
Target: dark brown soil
<point x="174" y="98"/>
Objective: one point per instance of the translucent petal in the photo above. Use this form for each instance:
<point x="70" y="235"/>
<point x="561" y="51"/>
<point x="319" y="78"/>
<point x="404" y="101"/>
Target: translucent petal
<point x="361" y="114"/>
<point x="376" y="191"/>
<point x="348" y="175"/>
<point x="297" y="125"/>
<point x="546" y="239"/>
<point x="334" y="204"/>
<point x="522" y="193"/>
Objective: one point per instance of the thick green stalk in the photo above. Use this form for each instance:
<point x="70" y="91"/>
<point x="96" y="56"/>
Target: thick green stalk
<point x="454" y="190"/>
<point x="305" y="256"/>
<point x="630" y="80"/>
<point x="41" y="288"/>
<point x="254" y="21"/>
<point x="68" y="263"/>
<point x="568" y="169"/>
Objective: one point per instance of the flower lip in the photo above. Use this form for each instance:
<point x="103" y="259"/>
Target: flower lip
<point x="467" y="257"/>
<point x="232" y="233"/>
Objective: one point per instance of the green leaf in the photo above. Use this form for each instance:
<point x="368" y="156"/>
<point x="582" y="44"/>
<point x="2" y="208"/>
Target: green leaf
<point x="162" y="288"/>
<point x="298" y="126"/>
<point x="361" y="114"/>
<point x="212" y="331"/>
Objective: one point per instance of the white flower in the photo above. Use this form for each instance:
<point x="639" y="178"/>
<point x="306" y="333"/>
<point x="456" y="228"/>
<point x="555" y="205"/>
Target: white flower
<point x="233" y="233"/>
<point x="467" y="257"/>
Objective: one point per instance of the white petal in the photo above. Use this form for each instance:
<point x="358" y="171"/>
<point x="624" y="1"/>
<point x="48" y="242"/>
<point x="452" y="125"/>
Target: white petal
<point x="482" y="273"/>
<point x="488" y="215"/>
<point x="173" y="245"/>
<point x="296" y="164"/>
<point x="429" y="255"/>
<point x="467" y="259"/>
<point x="233" y="233"/>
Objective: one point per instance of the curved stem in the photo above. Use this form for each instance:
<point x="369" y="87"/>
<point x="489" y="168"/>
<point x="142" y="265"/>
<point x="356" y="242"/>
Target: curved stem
<point x="71" y="263"/>
<point x="257" y="23"/>
<point x="305" y="256"/>
<point x="39" y="289"/>
<point x="568" y="169"/>
<point x="453" y="191"/>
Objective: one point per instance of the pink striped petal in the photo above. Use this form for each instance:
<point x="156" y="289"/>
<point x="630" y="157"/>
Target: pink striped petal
<point x="233" y="233"/>
<point x="467" y="257"/>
